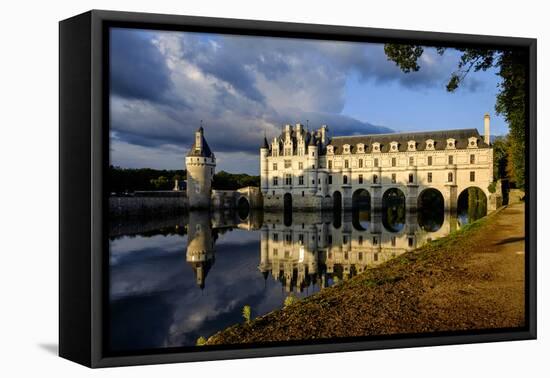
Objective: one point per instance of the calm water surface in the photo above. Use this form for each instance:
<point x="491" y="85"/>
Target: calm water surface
<point x="173" y="280"/>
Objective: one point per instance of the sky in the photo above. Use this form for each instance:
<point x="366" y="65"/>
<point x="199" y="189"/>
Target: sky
<point x="164" y="83"/>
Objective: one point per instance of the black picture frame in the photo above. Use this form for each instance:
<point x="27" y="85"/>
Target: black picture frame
<point x="83" y="160"/>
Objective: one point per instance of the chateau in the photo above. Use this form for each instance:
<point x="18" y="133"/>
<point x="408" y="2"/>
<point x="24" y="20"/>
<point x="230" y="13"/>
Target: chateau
<point x="309" y="170"/>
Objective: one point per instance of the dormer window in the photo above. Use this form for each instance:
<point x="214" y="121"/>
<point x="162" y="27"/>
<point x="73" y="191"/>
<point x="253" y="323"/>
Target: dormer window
<point x="394" y="146"/>
<point x="451" y="144"/>
<point x="430" y="144"/>
<point x="347" y="148"/>
<point x="411" y="145"/>
<point x="330" y="149"/>
<point x="360" y="148"/>
<point x="472" y="142"/>
<point x="376" y="147"/>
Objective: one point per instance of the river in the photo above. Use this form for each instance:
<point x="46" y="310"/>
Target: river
<point x="173" y="280"/>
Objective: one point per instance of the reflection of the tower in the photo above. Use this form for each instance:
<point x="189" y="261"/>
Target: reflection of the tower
<point x="200" y="245"/>
<point x="203" y="229"/>
<point x="322" y="248"/>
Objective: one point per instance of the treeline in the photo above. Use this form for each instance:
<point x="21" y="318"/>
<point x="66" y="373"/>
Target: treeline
<point x="231" y="181"/>
<point x="129" y="180"/>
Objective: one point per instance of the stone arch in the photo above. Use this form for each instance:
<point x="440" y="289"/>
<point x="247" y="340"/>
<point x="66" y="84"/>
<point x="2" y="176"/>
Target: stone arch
<point x="394" y="209"/>
<point x="471" y="204"/>
<point x="361" y="198"/>
<point x="361" y="205"/>
<point x="287" y="201"/>
<point x="337" y="209"/>
<point x="243" y="208"/>
<point x="337" y="200"/>
<point x="430" y="209"/>
<point x="287" y="214"/>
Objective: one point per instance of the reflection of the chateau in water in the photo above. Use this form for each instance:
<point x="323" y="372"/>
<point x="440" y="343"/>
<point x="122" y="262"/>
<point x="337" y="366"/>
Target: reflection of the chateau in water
<point x="303" y="249"/>
<point x="316" y="248"/>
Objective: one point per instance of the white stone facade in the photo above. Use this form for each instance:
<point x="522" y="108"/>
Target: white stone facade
<point x="314" y="169"/>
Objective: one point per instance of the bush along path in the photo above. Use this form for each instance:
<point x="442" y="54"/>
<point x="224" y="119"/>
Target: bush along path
<point x="471" y="279"/>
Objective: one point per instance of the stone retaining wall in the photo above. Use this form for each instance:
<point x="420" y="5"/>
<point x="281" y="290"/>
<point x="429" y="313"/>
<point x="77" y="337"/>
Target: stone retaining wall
<point x="148" y="204"/>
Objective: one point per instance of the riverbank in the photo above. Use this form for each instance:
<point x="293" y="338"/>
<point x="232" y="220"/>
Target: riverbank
<point x="472" y="279"/>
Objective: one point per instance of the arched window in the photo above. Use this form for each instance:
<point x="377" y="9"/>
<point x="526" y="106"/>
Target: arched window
<point x="345" y="179"/>
<point x="450" y="177"/>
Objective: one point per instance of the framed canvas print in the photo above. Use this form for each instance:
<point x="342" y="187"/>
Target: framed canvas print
<point x="234" y="188"/>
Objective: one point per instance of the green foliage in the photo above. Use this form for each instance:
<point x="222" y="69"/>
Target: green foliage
<point x="128" y="180"/>
<point x="501" y="151"/>
<point x="290" y="300"/>
<point x="405" y="56"/>
<point x="201" y="341"/>
<point x="247" y="312"/>
<point x="231" y="181"/>
<point x="161" y="183"/>
<point x="492" y="187"/>
<point x="122" y="180"/>
<point x="477" y="203"/>
<point x="510" y="102"/>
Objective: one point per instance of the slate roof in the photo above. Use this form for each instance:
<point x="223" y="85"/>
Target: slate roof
<point x="205" y="151"/>
<point x="439" y="137"/>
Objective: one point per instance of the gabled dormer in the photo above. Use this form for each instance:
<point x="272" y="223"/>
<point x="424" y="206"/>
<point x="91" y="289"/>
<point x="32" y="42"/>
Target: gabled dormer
<point x="394" y="146"/>
<point x="346" y="149"/>
<point x="411" y="145"/>
<point x="275" y="147"/>
<point x="376" y="147"/>
<point x="301" y="146"/>
<point x="360" y="148"/>
<point x="472" y="142"/>
<point x="430" y="145"/>
<point x="451" y="144"/>
<point x="330" y="149"/>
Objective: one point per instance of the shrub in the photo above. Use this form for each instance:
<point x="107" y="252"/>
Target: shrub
<point x="201" y="341"/>
<point x="291" y="299"/>
<point x="246" y="313"/>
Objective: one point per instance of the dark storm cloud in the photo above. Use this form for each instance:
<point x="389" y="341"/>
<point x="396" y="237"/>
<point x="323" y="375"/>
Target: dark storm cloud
<point x="165" y="83"/>
<point x="138" y="69"/>
<point x="222" y="63"/>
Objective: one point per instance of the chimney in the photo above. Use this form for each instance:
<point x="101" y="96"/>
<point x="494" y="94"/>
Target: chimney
<point x="324" y="134"/>
<point x="487" y="123"/>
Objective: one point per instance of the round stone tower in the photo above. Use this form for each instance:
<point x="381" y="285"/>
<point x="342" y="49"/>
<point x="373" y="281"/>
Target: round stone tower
<point x="201" y="164"/>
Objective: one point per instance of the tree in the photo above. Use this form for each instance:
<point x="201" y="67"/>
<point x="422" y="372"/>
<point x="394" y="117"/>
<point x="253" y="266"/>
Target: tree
<point x="123" y="180"/>
<point x="247" y="312"/>
<point x="160" y="183"/>
<point x="201" y="341"/>
<point x="232" y="181"/>
<point x="511" y="66"/>
<point x="501" y="151"/>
